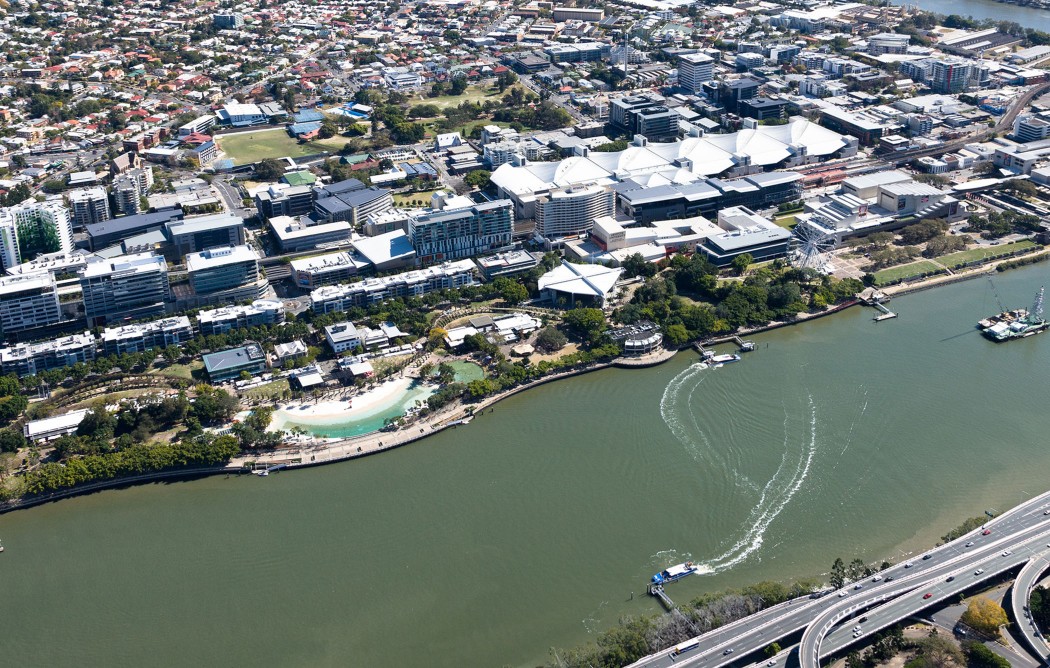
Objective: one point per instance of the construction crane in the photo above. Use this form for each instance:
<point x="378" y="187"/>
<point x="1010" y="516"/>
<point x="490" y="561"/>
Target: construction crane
<point x="1036" y="314"/>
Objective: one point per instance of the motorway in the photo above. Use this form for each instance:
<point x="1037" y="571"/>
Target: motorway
<point x="1020" y="593"/>
<point x="1023" y="531"/>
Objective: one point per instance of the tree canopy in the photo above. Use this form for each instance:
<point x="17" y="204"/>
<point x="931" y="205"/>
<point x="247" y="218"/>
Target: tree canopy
<point x="985" y="615"/>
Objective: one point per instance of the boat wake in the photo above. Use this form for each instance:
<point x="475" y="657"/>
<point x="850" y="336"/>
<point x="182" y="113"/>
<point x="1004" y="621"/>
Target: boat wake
<point x="593" y="622"/>
<point x="773" y="497"/>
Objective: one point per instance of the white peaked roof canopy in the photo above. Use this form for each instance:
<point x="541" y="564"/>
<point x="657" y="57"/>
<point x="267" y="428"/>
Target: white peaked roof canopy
<point x="592" y="280"/>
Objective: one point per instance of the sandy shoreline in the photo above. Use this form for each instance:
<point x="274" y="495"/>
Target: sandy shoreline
<point x="334" y="413"/>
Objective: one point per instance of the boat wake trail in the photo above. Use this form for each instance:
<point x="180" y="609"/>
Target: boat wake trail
<point x="774" y="496"/>
<point x="849" y="436"/>
<point x="671" y="413"/>
<point x="593" y="622"/>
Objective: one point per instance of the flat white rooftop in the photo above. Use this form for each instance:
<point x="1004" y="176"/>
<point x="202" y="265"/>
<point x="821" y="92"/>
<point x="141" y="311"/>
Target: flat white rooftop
<point x="13" y="285"/>
<point x="138" y="263"/>
<point x="51" y="425"/>
<point x="220" y="257"/>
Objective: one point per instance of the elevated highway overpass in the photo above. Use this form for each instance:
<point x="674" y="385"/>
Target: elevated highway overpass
<point x="1021" y="533"/>
<point x="1020" y="594"/>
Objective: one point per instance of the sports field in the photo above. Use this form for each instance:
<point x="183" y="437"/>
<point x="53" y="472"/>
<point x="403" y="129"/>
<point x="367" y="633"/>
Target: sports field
<point x="248" y="147"/>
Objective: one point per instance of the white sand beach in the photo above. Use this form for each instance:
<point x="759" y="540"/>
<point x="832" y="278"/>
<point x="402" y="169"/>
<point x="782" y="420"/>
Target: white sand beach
<point x="360" y="406"/>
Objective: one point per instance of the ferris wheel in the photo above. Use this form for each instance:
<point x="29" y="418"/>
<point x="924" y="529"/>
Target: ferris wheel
<point x="811" y="248"/>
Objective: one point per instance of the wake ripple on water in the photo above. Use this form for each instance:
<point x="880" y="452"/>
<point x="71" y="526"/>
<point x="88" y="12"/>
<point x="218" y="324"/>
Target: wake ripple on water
<point x="772" y="498"/>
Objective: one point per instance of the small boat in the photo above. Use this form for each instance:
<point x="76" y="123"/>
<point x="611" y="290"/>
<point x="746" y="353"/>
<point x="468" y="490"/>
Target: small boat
<point x="264" y="472"/>
<point x="724" y="359"/>
<point x="674" y="573"/>
<point x="465" y="420"/>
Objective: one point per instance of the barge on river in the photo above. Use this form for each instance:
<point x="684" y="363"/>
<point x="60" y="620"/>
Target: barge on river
<point x="1016" y="324"/>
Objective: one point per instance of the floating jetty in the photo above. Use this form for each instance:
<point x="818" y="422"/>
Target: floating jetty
<point x="742" y="345"/>
<point x="267" y="470"/>
<point x="884" y="313"/>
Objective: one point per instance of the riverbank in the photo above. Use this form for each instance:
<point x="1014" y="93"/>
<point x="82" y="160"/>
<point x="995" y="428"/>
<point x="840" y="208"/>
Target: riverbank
<point x="308" y="452"/>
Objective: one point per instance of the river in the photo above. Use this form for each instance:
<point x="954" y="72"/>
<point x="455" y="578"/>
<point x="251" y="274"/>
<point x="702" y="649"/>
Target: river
<point x="1029" y="17"/>
<point x="535" y="525"/>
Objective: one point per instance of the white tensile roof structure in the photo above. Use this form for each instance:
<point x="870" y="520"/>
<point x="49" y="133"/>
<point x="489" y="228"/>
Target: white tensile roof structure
<point x="587" y="280"/>
<point x="681" y="162"/>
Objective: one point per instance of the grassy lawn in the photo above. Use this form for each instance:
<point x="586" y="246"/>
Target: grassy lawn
<point x="402" y="199"/>
<point x="272" y="390"/>
<point x="247" y="147"/>
<point x="474" y="93"/>
<point x="332" y="144"/>
<point x="984" y="252"/>
<point x="884" y="276"/>
<point x="180" y="370"/>
<point x="786" y="221"/>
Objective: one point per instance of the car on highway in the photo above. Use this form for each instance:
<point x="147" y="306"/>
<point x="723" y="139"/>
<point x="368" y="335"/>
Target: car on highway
<point x="727" y="652"/>
<point x="978" y="571"/>
<point x="926" y="556"/>
<point x="1047" y="511"/>
<point x="969" y="544"/>
<point x="859" y="586"/>
<point x="986" y="532"/>
<point x="876" y="578"/>
<point x="889" y="578"/>
<point x="843" y="593"/>
<point x="908" y="564"/>
<point x="927" y="595"/>
<point x="1006" y="553"/>
<point x="950" y="578"/>
<point x="771" y="662"/>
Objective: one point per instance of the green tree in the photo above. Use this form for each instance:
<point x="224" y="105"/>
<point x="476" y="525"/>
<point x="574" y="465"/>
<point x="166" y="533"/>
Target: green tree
<point x="446" y="373"/>
<point x="328" y="129"/>
<point x="924" y="230"/>
<point x="98" y="424"/>
<point x="11" y="407"/>
<point x="676" y="335"/>
<point x="12" y="440"/>
<point x="980" y="656"/>
<point x="269" y="169"/>
<point x="478" y="178"/>
<point x="214" y="404"/>
<point x="587" y="323"/>
<point x="742" y="262"/>
<point x="838" y="574"/>
<point x="636" y="265"/>
<point x="550" y="340"/>
<point x="458" y="85"/>
<point x="773" y="650"/>
<point x="510" y="290"/>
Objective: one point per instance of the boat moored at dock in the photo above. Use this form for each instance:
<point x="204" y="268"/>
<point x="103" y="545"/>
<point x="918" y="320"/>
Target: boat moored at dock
<point x="675" y="573"/>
